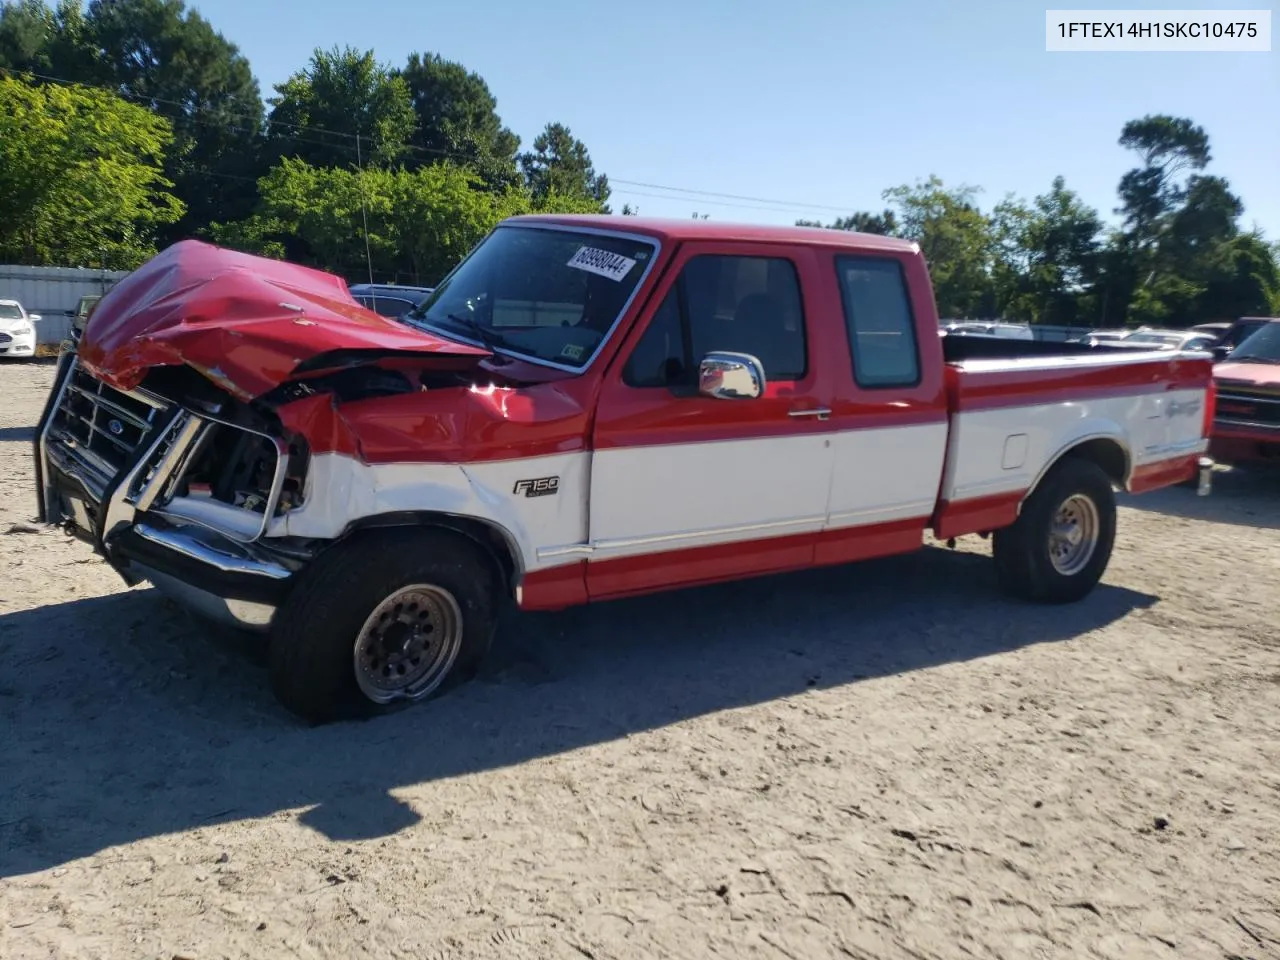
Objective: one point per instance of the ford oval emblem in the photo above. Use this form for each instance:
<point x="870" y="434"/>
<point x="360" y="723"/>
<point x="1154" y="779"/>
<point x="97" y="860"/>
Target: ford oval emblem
<point x="116" y="427"/>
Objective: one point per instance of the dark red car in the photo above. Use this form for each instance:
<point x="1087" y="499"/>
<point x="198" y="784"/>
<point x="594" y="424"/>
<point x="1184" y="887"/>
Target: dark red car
<point x="1246" y="423"/>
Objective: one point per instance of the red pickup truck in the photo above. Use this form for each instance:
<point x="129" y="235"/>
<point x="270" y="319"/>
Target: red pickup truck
<point x="585" y="408"/>
<point x="1247" y="426"/>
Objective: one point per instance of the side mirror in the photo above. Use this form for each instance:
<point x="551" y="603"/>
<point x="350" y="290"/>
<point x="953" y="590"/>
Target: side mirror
<point x="730" y="376"/>
<point x="34" y="317"/>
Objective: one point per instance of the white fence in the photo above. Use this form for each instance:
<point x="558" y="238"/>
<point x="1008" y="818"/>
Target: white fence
<point x="52" y="291"/>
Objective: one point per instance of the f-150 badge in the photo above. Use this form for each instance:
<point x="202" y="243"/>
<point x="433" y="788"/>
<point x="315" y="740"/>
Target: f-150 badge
<point x="542" y="487"/>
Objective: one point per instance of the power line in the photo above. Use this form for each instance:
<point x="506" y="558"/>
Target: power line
<point x="729" y="196"/>
<point x="707" y="196"/>
<point x="627" y="192"/>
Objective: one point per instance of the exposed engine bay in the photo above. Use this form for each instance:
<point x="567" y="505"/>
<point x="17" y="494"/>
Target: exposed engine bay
<point x="244" y="458"/>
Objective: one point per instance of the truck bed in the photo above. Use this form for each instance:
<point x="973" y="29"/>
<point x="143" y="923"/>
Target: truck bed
<point x="1016" y="405"/>
<point x="976" y="347"/>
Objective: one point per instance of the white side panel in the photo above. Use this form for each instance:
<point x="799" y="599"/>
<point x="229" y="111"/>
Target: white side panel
<point x="1152" y="427"/>
<point x="886" y="474"/>
<point x="646" y="499"/>
<point x="341" y="489"/>
<point x="649" y="499"/>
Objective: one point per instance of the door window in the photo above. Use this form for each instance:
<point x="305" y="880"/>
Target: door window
<point x="724" y="303"/>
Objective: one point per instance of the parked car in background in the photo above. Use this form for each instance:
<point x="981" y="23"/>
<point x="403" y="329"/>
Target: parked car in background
<point x="1095" y="337"/>
<point x="984" y="328"/>
<point x="1147" y="338"/>
<point x="589" y="408"/>
<point x="1172" y="339"/>
<point x="80" y="315"/>
<point x="1218" y="329"/>
<point x="389" y="300"/>
<point x="1237" y="332"/>
<point x="1246" y="424"/>
<point x="17" y="330"/>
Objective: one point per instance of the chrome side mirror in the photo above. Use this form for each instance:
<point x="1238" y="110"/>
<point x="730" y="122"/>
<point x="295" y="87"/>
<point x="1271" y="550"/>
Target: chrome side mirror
<point x="730" y="376"/>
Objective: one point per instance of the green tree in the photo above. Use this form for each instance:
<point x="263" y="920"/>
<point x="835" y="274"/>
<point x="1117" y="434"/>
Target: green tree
<point x="158" y="53"/>
<point x="318" y="112"/>
<point x="955" y="238"/>
<point x="1250" y="283"/>
<point x="559" y="165"/>
<point x="39" y="39"/>
<point x="885" y="223"/>
<point x="1046" y="256"/>
<point x="81" y="178"/>
<point x="1180" y="257"/>
<point x="1167" y="146"/>
<point x="419" y="222"/>
<point x="1175" y="221"/>
<point x="457" y="120"/>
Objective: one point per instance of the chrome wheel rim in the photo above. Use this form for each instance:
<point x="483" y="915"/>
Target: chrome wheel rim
<point x="408" y="644"/>
<point x="1073" y="536"/>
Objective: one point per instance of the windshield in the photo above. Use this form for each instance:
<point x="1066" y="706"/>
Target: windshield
<point x="10" y="311"/>
<point x="548" y="294"/>
<point x="1262" y="346"/>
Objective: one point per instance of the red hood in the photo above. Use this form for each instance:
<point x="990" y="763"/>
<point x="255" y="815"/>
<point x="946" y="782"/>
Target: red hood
<point x="1263" y="375"/>
<point x="247" y="323"/>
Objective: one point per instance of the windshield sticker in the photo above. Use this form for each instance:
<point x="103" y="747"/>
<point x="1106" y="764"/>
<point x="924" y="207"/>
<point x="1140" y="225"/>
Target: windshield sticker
<point x="572" y="351"/>
<point x="601" y="262"/>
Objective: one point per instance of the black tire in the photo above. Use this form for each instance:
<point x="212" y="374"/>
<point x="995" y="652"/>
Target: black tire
<point x="1024" y="567"/>
<point x="312" y="655"/>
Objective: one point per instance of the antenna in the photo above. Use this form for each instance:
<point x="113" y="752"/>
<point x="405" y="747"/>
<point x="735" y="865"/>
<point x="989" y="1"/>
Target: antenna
<point x="364" y="215"/>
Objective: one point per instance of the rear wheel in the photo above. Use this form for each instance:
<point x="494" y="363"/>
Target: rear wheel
<point x="387" y="617"/>
<point x="1060" y="545"/>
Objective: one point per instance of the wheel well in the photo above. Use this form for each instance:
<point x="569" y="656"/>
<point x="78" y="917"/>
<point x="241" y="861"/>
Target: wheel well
<point x="492" y="539"/>
<point x="1107" y="454"/>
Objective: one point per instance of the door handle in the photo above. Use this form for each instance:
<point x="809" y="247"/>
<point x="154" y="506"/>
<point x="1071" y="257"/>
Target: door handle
<point x="822" y="413"/>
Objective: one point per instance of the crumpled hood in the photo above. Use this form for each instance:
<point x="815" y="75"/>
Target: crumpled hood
<point x="247" y="323"/>
<point x="1265" y="376"/>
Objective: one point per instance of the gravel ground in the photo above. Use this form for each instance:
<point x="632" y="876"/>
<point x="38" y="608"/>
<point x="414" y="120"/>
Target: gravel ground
<point x="885" y="760"/>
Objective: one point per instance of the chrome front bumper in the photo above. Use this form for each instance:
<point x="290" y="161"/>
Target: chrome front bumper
<point x="229" y="579"/>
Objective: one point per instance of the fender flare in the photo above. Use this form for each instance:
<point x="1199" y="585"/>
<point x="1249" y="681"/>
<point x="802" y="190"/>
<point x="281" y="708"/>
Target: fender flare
<point x="498" y="543"/>
<point x="1108" y="450"/>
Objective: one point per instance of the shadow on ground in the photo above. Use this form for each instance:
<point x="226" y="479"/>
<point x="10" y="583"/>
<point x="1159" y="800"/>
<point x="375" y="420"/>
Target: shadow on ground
<point x="17" y="433"/>
<point x="1245" y="496"/>
<point x="122" y="697"/>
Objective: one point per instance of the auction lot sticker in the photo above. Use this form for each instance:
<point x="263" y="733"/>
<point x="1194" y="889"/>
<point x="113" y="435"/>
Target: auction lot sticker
<point x="601" y="262"/>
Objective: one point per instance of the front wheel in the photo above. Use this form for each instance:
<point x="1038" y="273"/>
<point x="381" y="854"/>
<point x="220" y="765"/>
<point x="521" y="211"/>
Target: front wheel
<point x="1060" y="545"/>
<point x="389" y="616"/>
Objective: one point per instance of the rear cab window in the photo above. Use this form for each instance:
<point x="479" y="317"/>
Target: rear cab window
<point x="879" y="322"/>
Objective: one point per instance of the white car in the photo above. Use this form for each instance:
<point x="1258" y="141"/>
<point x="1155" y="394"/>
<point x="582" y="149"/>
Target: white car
<point x="1007" y="331"/>
<point x="17" y="330"/>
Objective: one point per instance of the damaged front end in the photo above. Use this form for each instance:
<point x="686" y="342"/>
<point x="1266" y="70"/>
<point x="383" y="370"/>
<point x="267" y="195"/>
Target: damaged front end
<point x="172" y="493"/>
<point x="161" y="443"/>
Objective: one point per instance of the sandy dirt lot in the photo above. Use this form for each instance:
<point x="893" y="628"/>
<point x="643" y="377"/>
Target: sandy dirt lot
<point x="887" y="760"/>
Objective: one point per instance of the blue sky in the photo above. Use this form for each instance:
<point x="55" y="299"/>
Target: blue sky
<point x="821" y="104"/>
